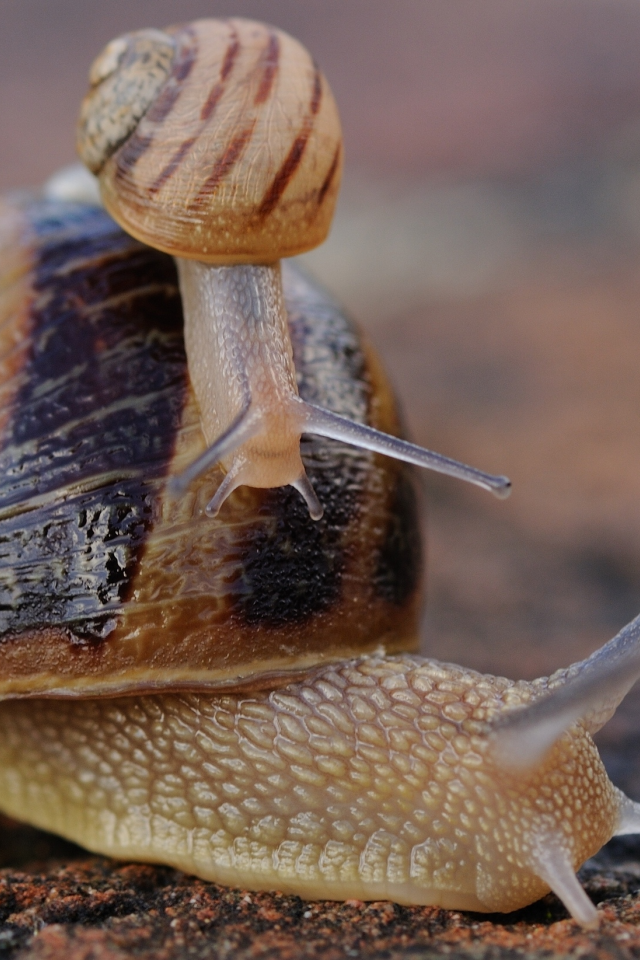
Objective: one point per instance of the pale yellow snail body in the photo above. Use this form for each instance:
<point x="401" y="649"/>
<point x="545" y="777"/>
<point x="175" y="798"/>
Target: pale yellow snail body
<point x="374" y="778"/>
<point x="369" y="777"/>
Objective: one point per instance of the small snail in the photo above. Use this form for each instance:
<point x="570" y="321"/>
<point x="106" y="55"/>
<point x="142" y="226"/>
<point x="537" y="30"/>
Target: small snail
<point x="219" y="142"/>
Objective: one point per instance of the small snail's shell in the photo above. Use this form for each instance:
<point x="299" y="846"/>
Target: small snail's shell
<point x="235" y="156"/>
<point x="105" y="585"/>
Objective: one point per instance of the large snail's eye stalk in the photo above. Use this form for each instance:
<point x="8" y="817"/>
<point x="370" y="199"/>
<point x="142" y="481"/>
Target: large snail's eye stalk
<point x="176" y="126"/>
<point x="588" y="691"/>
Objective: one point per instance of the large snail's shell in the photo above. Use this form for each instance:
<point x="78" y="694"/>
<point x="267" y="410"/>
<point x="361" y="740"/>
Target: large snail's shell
<point x="237" y="157"/>
<point x="105" y="586"/>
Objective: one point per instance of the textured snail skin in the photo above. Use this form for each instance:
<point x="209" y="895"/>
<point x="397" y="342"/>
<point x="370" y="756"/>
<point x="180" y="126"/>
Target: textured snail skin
<point x="370" y="779"/>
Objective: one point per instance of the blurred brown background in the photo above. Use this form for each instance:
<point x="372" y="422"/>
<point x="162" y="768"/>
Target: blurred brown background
<point x="488" y="236"/>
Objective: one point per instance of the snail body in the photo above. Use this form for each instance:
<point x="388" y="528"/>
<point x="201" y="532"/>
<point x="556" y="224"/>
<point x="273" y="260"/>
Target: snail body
<point x="219" y="143"/>
<point x="370" y="779"/>
<point x="322" y="768"/>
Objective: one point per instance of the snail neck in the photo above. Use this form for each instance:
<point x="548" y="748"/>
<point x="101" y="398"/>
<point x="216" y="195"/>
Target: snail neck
<point x="237" y="340"/>
<point x="240" y="363"/>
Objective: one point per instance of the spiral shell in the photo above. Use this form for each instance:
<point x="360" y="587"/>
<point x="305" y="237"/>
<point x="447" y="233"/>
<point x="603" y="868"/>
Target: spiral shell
<point x="230" y="151"/>
<point x="105" y="584"/>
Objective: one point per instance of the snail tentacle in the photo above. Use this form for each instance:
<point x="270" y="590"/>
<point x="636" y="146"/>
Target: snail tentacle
<point x="245" y="426"/>
<point x="226" y="488"/>
<point x="550" y="860"/>
<point x="588" y="691"/>
<point x="324" y="423"/>
<point x="308" y="494"/>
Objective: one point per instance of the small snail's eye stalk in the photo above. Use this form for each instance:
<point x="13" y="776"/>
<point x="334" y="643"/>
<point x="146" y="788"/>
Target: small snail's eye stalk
<point x="308" y="494"/>
<point x="322" y="423"/>
<point x="308" y="418"/>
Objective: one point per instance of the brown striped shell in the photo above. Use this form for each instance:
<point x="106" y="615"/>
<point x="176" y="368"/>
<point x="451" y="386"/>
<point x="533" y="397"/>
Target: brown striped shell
<point x="228" y="142"/>
<point x="108" y="586"/>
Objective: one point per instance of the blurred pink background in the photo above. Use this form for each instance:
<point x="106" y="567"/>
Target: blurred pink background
<point x="455" y="87"/>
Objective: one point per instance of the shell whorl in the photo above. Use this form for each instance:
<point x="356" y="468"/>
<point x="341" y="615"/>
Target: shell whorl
<point x="237" y="159"/>
<point x="124" y="79"/>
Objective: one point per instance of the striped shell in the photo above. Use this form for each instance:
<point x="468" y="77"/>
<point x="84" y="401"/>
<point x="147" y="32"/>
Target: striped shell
<point x="105" y="584"/>
<point x="229" y="151"/>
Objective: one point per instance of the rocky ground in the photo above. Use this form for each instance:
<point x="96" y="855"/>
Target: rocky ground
<point x="72" y="906"/>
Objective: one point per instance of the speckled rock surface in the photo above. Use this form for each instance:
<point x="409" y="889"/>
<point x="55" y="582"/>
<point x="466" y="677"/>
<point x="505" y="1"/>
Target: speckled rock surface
<point x="88" y="908"/>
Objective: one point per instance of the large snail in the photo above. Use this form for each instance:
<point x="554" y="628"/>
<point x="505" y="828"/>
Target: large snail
<point x="219" y="695"/>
